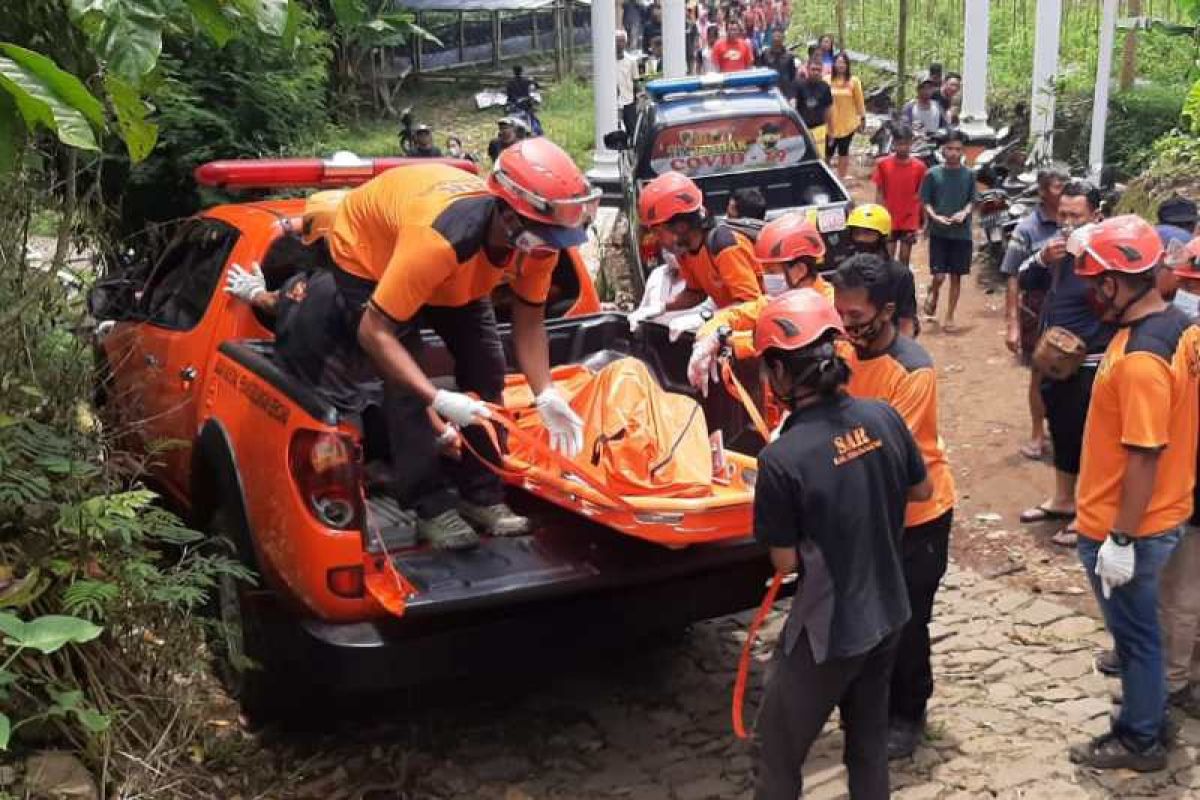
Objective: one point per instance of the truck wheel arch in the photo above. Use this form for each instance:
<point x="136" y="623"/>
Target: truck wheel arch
<point x="217" y="481"/>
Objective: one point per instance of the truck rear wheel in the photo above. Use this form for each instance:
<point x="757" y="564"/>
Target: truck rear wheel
<point x="238" y="644"/>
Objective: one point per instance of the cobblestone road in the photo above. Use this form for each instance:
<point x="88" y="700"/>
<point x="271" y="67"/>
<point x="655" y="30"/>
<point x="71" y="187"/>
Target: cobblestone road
<point x="1015" y="686"/>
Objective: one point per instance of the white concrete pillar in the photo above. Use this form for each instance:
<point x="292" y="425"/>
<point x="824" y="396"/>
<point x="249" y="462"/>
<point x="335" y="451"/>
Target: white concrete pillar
<point x="1045" y="73"/>
<point x="604" y="82"/>
<point x="975" y="68"/>
<point x="1108" y="31"/>
<point x="674" y="39"/>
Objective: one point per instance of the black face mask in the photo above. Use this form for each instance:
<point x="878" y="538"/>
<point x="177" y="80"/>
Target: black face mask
<point x="1104" y="304"/>
<point x="861" y="336"/>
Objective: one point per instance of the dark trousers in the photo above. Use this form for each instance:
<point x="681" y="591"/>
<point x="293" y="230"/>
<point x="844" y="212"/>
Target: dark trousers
<point x="925" y="550"/>
<point x="629" y="117"/>
<point x="1066" y="411"/>
<point x="801" y="695"/>
<point x="423" y="478"/>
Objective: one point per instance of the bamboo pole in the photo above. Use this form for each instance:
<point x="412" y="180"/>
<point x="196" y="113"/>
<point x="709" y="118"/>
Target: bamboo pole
<point x="462" y="36"/>
<point x="496" y="34"/>
<point x="841" y="22"/>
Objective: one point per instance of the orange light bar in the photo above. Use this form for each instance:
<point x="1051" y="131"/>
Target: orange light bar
<point x="343" y="169"/>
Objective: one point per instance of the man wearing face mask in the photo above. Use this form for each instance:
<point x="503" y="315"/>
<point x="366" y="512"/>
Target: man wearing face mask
<point x="717" y="262"/>
<point x="870" y="228"/>
<point x="1176" y="226"/>
<point x="1137" y="473"/>
<point x="886" y="365"/>
<point x="790" y="248"/>
<point x="1051" y="269"/>
<point x="424" y="246"/>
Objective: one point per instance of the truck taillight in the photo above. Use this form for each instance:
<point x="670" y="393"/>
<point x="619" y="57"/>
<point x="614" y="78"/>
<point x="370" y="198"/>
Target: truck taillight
<point x="327" y="470"/>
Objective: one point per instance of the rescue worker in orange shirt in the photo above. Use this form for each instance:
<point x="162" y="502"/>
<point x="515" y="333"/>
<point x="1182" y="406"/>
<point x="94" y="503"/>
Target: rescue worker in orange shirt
<point x="1137" y="473"/>
<point x="886" y="365"/>
<point x="790" y="249"/>
<point x="424" y="246"/>
<point x="716" y="262"/>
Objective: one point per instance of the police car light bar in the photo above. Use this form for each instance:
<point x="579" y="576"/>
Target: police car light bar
<point x="760" y="78"/>
<point x="342" y="169"/>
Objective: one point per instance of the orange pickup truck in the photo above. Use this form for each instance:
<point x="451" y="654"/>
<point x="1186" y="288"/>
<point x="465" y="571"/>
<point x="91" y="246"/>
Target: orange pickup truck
<point x="260" y="459"/>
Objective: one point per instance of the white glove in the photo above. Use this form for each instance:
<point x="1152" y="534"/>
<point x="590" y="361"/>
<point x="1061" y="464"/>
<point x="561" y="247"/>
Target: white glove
<point x="245" y="284"/>
<point x="702" y="366"/>
<point x="644" y="313"/>
<point x="460" y="409"/>
<point x="1114" y="565"/>
<point x="449" y="443"/>
<point x="682" y="324"/>
<point x="564" y="425"/>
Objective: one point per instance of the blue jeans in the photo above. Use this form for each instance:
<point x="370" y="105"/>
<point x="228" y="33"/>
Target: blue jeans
<point x="1131" y="614"/>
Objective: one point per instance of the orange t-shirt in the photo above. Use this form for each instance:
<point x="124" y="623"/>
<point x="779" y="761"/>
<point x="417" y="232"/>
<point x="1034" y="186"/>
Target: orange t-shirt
<point x="724" y="268"/>
<point x="418" y="232"/>
<point x="1145" y="396"/>
<point x="903" y="376"/>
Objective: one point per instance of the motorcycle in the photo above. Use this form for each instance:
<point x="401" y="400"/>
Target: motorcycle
<point x="928" y="147"/>
<point x="525" y="108"/>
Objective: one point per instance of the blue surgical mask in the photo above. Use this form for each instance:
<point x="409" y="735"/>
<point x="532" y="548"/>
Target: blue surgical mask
<point x="1188" y="303"/>
<point x="774" y="284"/>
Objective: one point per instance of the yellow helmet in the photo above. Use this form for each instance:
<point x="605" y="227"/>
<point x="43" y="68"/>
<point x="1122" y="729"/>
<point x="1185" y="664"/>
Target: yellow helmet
<point x="872" y="217"/>
<point x="319" y="210"/>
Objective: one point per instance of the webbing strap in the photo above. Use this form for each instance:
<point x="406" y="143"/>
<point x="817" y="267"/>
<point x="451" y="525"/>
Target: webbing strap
<point x="735" y="388"/>
<point x="743" y="673"/>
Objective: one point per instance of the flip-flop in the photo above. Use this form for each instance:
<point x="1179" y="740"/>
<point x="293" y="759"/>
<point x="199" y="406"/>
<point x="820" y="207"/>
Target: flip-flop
<point x="1032" y="452"/>
<point x="1065" y="537"/>
<point x="1043" y="514"/>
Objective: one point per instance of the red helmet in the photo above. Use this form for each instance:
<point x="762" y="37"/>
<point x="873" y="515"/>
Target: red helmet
<point x="788" y="238"/>
<point x="667" y="195"/>
<point x="1121" y="244"/>
<point x="794" y="320"/>
<point x="541" y="182"/>
<point x="1184" y="260"/>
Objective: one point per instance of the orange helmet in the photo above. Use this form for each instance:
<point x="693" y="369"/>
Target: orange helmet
<point x="788" y="238"/>
<point x="794" y="320"/>
<point x="667" y="195"/>
<point x="541" y="183"/>
<point x="1121" y="244"/>
<point x="1185" y="261"/>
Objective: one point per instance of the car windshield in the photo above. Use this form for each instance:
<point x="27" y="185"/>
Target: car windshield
<point x="729" y="145"/>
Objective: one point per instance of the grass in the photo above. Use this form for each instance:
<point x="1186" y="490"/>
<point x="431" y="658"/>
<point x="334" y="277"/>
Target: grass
<point x="566" y="115"/>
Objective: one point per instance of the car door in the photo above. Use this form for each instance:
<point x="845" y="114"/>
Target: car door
<point x="174" y="345"/>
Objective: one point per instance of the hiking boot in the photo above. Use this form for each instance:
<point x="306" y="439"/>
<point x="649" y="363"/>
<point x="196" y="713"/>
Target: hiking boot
<point x="1109" y="752"/>
<point x="903" y="737"/>
<point x="1107" y="664"/>
<point x="494" y="520"/>
<point x="447" y="531"/>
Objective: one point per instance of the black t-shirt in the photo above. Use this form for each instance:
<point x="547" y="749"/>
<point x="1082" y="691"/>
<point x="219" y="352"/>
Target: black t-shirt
<point x="905" y="288"/>
<point x="834" y="486"/>
<point x="812" y="101"/>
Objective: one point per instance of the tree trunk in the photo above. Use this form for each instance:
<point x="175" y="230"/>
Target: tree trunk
<point x="841" y="23"/>
<point x="902" y="53"/>
<point x="1129" y="58"/>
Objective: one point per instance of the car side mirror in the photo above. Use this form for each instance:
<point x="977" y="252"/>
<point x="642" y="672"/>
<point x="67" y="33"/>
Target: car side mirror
<point x="113" y="299"/>
<point x="616" y="140"/>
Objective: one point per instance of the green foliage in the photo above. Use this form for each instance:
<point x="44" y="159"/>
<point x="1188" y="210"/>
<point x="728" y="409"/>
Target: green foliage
<point x="49" y="97"/>
<point x="248" y="99"/>
<point x="1136" y="120"/>
<point x="1191" y="108"/>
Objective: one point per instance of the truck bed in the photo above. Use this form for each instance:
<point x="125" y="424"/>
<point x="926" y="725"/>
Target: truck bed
<point x="807" y="185"/>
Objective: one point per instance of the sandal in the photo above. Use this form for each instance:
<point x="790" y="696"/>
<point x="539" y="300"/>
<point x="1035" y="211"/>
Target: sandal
<point x="1042" y="514"/>
<point x="1065" y="537"/>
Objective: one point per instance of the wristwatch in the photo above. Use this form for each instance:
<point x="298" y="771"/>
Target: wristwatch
<point x="1121" y="538"/>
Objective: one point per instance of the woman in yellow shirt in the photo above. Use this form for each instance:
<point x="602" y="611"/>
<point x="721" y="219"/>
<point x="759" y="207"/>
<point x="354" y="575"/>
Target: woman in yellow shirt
<point x="848" y="115"/>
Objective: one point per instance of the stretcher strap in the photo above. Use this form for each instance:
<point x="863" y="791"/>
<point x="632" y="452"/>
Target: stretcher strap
<point x="534" y="445"/>
<point x="743" y="673"/>
<point x="735" y="388"/>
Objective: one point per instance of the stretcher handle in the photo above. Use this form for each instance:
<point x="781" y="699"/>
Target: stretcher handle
<point x="743" y="673"/>
<point x="565" y="465"/>
<point x="735" y="388"/>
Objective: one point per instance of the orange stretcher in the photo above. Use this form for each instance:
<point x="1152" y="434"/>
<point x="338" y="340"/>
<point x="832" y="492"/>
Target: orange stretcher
<point x="720" y="510"/>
